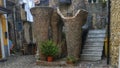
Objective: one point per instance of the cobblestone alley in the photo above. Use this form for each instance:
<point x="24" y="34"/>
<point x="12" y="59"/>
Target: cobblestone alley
<point x="28" y="61"/>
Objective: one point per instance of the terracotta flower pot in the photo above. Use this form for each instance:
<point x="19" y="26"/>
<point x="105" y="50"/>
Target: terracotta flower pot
<point x="69" y="62"/>
<point x="49" y="59"/>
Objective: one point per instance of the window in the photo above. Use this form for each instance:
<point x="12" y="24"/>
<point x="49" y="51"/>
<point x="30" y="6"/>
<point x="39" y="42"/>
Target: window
<point x="44" y="3"/>
<point x="65" y="1"/>
<point x="93" y="1"/>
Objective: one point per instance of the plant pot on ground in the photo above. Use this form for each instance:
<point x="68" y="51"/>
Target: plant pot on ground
<point x="49" y="49"/>
<point x="71" y="60"/>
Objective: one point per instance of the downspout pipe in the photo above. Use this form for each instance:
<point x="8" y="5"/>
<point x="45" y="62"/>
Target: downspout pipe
<point x="14" y="25"/>
<point x="108" y="31"/>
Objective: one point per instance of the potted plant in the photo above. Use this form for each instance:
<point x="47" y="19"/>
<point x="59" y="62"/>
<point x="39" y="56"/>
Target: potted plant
<point x="49" y="49"/>
<point x="71" y="60"/>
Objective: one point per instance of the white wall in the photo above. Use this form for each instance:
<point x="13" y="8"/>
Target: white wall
<point x="2" y="43"/>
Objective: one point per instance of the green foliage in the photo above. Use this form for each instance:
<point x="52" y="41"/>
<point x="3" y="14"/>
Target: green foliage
<point x="49" y="48"/>
<point x="103" y="2"/>
<point x="71" y="59"/>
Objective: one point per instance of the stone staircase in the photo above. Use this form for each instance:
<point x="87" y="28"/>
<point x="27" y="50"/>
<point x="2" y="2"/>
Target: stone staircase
<point x="93" y="47"/>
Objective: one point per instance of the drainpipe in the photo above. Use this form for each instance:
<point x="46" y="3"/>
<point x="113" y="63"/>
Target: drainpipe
<point x="108" y="51"/>
<point x="14" y="26"/>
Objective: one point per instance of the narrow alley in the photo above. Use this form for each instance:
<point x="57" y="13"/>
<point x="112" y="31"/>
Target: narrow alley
<point x="28" y="61"/>
<point x="59" y="34"/>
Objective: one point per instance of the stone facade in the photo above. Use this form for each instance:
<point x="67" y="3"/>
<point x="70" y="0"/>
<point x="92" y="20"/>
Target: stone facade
<point x="68" y="9"/>
<point x="95" y="9"/>
<point x="26" y="27"/>
<point x="99" y="14"/>
<point x="115" y="32"/>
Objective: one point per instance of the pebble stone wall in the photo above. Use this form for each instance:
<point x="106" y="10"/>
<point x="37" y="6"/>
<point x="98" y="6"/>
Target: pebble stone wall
<point x="73" y="32"/>
<point x="115" y="32"/>
<point x="42" y="18"/>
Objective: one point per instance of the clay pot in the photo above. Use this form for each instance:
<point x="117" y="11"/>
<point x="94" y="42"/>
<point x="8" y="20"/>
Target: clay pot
<point x="69" y="62"/>
<point x="49" y="59"/>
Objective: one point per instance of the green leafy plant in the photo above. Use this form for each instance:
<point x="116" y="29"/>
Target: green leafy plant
<point x="71" y="59"/>
<point x="49" y="48"/>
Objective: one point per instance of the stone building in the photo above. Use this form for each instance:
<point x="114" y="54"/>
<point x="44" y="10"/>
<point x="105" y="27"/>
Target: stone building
<point x="27" y="25"/>
<point x="14" y="23"/>
<point x="68" y="9"/>
<point x="114" y="33"/>
<point x="97" y="9"/>
<point x="4" y="44"/>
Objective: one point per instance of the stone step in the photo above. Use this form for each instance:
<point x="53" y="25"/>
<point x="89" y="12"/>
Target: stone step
<point x="93" y="47"/>
<point x="97" y="31"/>
<point x="91" y="52"/>
<point x="92" y="55"/>
<point x="94" y="44"/>
<point x="95" y="40"/>
<point x="90" y="58"/>
<point x="96" y="35"/>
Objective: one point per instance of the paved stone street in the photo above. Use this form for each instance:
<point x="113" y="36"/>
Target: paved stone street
<point x="28" y="61"/>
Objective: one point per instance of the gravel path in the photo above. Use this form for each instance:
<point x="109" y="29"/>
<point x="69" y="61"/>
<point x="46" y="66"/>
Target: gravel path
<point x="28" y="61"/>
